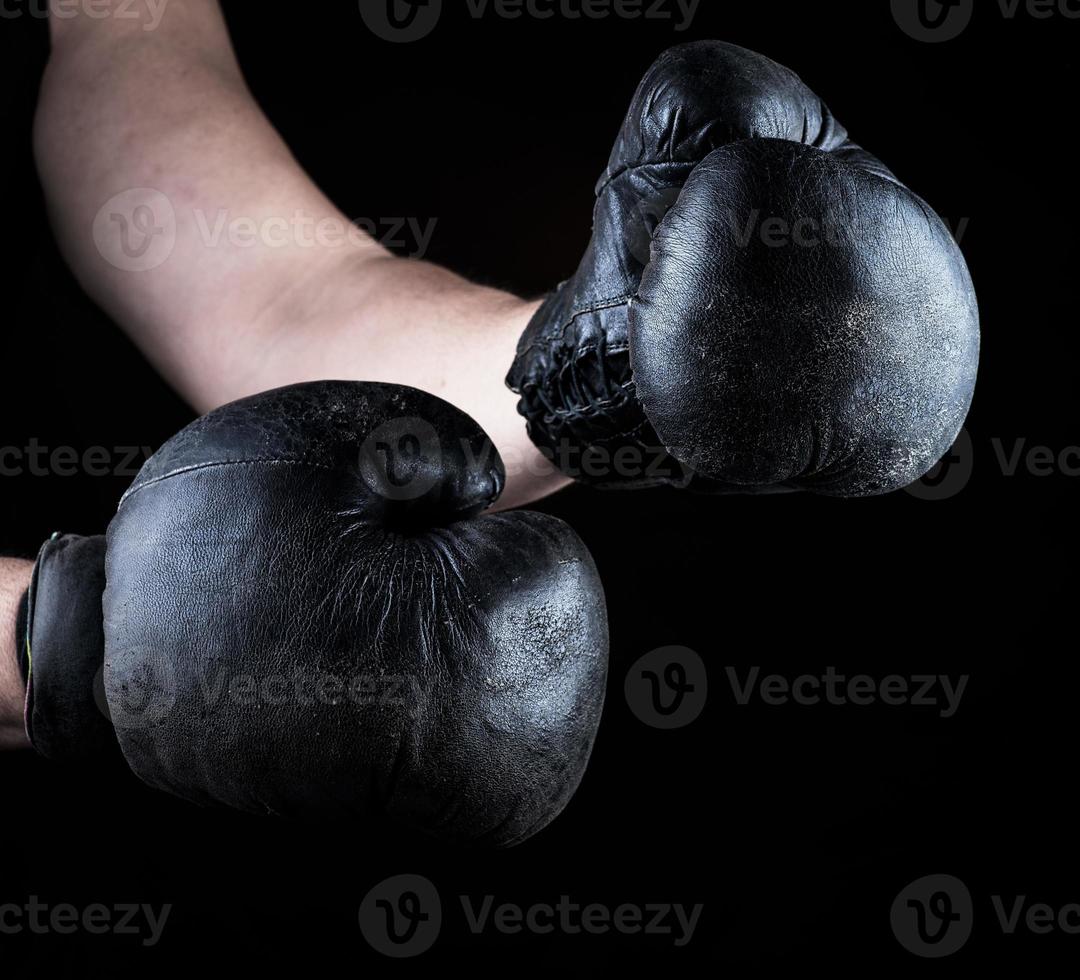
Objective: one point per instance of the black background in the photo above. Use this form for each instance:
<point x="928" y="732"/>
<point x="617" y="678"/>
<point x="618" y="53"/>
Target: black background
<point x="795" y="826"/>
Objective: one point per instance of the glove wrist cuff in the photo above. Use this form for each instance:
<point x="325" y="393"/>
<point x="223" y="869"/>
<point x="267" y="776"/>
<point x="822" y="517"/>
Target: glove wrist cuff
<point x="21" y="658"/>
<point x="578" y="396"/>
<point x="64" y="650"/>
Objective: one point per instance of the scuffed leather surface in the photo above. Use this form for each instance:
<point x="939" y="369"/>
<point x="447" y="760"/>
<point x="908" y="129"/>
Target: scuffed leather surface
<point x="258" y="543"/>
<point x="578" y="369"/>
<point x="843" y="367"/>
<point x="65" y="721"/>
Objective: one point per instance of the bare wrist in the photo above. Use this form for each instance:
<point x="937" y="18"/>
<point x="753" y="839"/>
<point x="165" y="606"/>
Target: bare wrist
<point x="14" y="581"/>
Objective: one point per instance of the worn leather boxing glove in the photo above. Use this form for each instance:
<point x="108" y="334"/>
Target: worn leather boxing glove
<point x="306" y="613"/>
<point x="761" y="299"/>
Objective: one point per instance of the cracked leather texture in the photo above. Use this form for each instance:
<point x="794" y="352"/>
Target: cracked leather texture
<point x="760" y="364"/>
<point x="307" y="614"/>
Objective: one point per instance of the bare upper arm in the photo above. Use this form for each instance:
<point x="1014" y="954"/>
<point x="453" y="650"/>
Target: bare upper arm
<point x="176" y="203"/>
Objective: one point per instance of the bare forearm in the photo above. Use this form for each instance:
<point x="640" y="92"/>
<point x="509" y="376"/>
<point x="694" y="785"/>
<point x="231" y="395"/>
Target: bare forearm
<point x="412" y="323"/>
<point x="142" y="139"/>
<point x="302" y="294"/>
<point x="14" y="581"/>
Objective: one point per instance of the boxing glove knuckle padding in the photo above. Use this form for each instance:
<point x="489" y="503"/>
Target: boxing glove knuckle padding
<point x="840" y="363"/>
<point x="320" y="548"/>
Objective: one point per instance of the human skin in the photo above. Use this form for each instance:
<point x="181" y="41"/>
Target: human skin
<point x="154" y="106"/>
<point x="14" y="581"/>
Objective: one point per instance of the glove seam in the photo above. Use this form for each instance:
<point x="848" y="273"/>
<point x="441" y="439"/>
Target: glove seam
<point x="552" y="343"/>
<point x="222" y="462"/>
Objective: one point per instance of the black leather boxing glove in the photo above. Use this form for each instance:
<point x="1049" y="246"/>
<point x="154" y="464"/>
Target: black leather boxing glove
<point x="307" y="614"/>
<point x="761" y="299"/>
